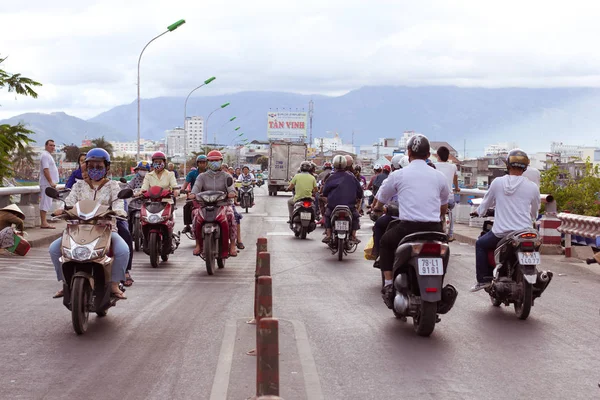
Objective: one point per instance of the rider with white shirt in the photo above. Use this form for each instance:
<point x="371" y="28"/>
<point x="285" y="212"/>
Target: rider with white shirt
<point x="517" y="202"/>
<point x="450" y="172"/>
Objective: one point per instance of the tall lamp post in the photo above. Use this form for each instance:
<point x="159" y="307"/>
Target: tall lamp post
<point x="206" y="82"/>
<point x="170" y="28"/>
<point x="211" y="113"/>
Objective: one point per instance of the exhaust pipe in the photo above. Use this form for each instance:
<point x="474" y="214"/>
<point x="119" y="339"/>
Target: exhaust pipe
<point x="449" y="295"/>
<point x="401" y="304"/>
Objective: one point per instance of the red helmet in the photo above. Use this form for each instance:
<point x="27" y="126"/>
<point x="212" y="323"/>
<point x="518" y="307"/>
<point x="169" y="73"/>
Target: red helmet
<point x="159" y="155"/>
<point x="214" y="155"/>
<point x="387" y="168"/>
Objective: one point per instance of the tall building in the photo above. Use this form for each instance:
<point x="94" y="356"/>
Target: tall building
<point x="175" y="140"/>
<point x="194" y="127"/>
<point x="332" y="144"/>
<point x="403" y="141"/>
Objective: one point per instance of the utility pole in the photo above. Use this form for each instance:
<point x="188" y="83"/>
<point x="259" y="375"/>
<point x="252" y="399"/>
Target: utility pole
<point x="378" y="145"/>
<point x="321" y="146"/>
<point x="465" y="150"/>
<point x="310" y="120"/>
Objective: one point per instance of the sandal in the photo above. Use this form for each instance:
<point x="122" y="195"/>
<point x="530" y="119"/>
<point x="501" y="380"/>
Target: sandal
<point x="197" y="252"/>
<point x="119" y="295"/>
<point x="59" y="294"/>
<point x="128" y="280"/>
<point x="233" y="253"/>
<point x="241" y="246"/>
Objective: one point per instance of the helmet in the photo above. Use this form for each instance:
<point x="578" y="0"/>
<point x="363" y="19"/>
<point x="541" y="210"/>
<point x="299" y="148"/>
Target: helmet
<point x="98" y="154"/>
<point x="404" y="162"/>
<point x="305" y="166"/>
<point x="214" y="155"/>
<point x="516" y="158"/>
<point x="143" y="165"/>
<point x="396" y="161"/>
<point x="159" y="155"/>
<point x="357" y="168"/>
<point x="339" y="162"/>
<point x="349" y="161"/>
<point x="245" y="166"/>
<point x="201" y="158"/>
<point x="387" y="168"/>
<point x="327" y="165"/>
<point x="377" y="167"/>
<point x="419" y="146"/>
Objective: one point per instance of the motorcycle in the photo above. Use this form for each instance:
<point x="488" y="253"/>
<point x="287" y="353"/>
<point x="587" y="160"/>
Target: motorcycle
<point x="87" y="258"/>
<point x="303" y="218"/>
<point x="157" y="225"/>
<point x="515" y="279"/>
<point x="420" y="265"/>
<point x="135" y="222"/>
<point x="341" y="224"/>
<point x="211" y="226"/>
<point x="245" y="194"/>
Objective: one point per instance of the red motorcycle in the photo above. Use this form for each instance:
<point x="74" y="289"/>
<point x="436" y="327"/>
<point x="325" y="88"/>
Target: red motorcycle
<point x="211" y="227"/>
<point x="158" y="224"/>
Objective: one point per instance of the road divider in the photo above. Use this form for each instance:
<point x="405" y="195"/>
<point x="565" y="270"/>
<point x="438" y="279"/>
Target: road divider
<point x="261" y="247"/>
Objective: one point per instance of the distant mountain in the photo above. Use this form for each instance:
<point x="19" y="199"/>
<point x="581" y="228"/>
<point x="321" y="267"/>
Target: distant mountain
<point x="530" y="117"/>
<point x="62" y="128"/>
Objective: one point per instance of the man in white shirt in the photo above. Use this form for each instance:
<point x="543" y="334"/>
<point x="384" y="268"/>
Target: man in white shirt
<point x="450" y="172"/>
<point x="422" y="199"/>
<point x="533" y="174"/>
<point x="48" y="178"/>
<point x="517" y="203"/>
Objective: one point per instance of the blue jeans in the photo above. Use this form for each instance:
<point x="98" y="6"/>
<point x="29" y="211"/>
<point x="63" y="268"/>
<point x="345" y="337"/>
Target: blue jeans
<point x="123" y="231"/>
<point x="451" y="205"/>
<point x="484" y="244"/>
<point x="120" y="253"/>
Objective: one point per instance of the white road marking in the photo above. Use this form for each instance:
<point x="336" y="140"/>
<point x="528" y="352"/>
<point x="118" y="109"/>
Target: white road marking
<point x="221" y="382"/>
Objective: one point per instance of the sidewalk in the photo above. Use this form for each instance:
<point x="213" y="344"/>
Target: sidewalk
<point x="38" y="237"/>
<point x="466" y="234"/>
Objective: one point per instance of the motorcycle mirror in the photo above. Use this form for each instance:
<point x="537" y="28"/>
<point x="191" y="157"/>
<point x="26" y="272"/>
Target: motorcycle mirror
<point x="125" y="193"/>
<point x="52" y="193"/>
<point x="229" y="181"/>
<point x="123" y="180"/>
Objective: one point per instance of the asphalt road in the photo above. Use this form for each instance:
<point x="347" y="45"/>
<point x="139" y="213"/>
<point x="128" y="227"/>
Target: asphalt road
<point x="181" y="334"/>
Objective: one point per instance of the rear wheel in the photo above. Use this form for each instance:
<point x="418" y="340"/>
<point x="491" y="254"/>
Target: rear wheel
<point x="154" y="248"/>
<point x="303" y="233"/>
<point x="101" y="313"/>
<point x="424" y="321"/>
<point x="80" y="295"/>
<point x="523" y="308"/>
<point x="495" y="301"/>
<point x="136" y="234"/>
<point x="340" y="249"/>
<point x="246" y="210"/>
<point x="208" y="254"/>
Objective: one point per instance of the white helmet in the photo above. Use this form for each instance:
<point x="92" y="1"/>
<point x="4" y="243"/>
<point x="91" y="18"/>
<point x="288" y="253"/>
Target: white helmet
<point x="377" y="167"/>
<point x="339" y="162"/>
<point x="396" y="161"/>
<point x="404" y="162"/>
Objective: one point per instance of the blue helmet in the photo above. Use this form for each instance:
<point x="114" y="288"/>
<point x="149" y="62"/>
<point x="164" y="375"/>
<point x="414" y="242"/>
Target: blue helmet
<point x="98" y="154"/>
<point x="143" y="165"/>
<point x="201" y="157"/>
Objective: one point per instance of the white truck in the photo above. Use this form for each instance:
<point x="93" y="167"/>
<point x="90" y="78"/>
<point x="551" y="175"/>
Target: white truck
<point x="284" y="162"/>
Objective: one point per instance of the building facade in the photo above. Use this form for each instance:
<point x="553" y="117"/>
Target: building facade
<point x="194" y="127"/>
<point x="175" y="140"/>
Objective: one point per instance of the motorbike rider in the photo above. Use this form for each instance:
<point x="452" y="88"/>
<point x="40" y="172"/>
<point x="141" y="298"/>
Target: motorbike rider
<point x="162" y="177"/>
<point x="342" y="189"/>
<point x="217" y="179"/>
<point x="247" y="176"/>
<point x="99" y="188"/>
<point x="237" y="173"/>
<point x="517" y="202"/>
<point x="304" y="185"/>
<point x="385" y="173"/>
<point x="376" y="171"/>
<point x="190" y="179"/>
<point x="422" y="200"/>
<point x="451" y="173"/>
<point x="141" y="170"/>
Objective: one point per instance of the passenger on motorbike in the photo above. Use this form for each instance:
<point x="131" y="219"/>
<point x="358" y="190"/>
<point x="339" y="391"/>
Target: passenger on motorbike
<point x="304" y="185"/>
<point x="141" y="170"/>
<point x="342" y="189"/>
<point x="450" y="172"/>
<point x="217" y="179"/>
<point x="376" y="171"/>
<point x="423" y="198"/>
<point x="190" y="180"/>
<point x="237" y="172"/>
<point x="99" y="188"/>
<point x="517" y="202"/>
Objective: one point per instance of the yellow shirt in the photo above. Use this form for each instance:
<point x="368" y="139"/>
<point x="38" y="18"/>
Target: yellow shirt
<point x="166" y="180"/>
<point x="304" y="183"/>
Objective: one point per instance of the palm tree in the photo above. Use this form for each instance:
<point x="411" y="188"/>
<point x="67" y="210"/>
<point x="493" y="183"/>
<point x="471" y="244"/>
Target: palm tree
<point x="103" y="143"/>
<point x="22" y="161"/>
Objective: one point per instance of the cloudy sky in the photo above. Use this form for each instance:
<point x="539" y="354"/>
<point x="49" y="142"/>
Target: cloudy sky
<point x="85" y="51"/>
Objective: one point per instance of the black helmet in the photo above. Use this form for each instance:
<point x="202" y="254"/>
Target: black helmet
<point x="419" y="146"/>
<point x="517" y="158"/>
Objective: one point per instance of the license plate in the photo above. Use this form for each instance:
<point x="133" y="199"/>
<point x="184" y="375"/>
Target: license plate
<point x="529" y="258"/>
<point x="342" y="225"/>
<point x="431" y="266"/>
<point x="306" y="216"/>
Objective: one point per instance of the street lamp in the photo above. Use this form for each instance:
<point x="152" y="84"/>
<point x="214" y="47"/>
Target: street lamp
<point x="211" y="113"/>
<point x="206" y="82"/>
<point x="170" y="28"/>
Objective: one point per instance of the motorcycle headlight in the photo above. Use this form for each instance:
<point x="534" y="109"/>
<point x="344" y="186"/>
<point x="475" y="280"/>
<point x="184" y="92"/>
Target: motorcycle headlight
<point x="154" y="218"/>
<point x="81" y="253"/>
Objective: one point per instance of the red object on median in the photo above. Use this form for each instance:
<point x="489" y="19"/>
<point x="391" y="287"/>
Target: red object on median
<point x="267" y="360"/>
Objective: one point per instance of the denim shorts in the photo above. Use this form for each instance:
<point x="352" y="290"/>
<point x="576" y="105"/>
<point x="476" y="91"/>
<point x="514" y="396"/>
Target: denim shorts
<point x="238" y="216"/>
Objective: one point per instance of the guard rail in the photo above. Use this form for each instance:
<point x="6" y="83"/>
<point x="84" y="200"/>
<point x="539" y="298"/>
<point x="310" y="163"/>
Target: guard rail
<point x="577" y="225"/>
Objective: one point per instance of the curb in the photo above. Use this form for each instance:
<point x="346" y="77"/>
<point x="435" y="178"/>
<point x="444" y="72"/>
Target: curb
<point x="464" y="239"/>
<point x="46" y="240"/>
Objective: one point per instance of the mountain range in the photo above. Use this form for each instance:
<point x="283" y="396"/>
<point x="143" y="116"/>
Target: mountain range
<point x="532" y="117"/>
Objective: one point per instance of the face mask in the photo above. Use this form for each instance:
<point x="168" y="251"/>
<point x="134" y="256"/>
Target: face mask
<point x="215" y="165"/>
<point x="142" y="173"/>
<point x="96" y="174"/>
<point x="158" y="166"/>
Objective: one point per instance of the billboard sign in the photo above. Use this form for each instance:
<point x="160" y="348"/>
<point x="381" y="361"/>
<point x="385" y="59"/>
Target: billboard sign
<point x="286" y="124"/>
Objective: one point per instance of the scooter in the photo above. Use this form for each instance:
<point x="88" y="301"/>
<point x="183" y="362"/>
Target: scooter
<point x="303" y="218"/>
<point x="158" y="225"/>
<point x="245" y="195"/>
<point x="87" y="258"/>
<point x="341" y="223"/>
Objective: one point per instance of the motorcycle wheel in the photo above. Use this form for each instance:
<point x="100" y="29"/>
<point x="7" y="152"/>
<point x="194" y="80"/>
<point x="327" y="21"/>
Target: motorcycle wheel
<point x="340" y="249"/>
<point x="136" y="234"/>
<point x="424" y="321"/>
<point x="523" y="308"/>
<point x="102" y="313"/>
<point x="80" y="294"/>
<point x="495" y="301"/>
<point x="208" y="255"/>
<point x="220" y="263"/>
<point x="246" y="210"/>
<point x="303" y="233"/>
<point x="154" y="249"/>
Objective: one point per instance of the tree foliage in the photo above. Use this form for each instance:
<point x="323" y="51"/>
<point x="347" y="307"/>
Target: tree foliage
<point x="121" y="165"/>
<point x="22" y="161"/>
<point x="14" y="138"/>
<point x="71" y="152"/>
<point x="578" y="196"/>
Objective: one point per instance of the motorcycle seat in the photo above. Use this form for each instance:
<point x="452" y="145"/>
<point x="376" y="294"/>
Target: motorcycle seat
<point x="422" y="236"/>
<point x="510" y="236"/>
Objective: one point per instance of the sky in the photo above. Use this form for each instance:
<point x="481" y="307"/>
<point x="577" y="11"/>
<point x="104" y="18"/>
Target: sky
<point x="85" y="52"/>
